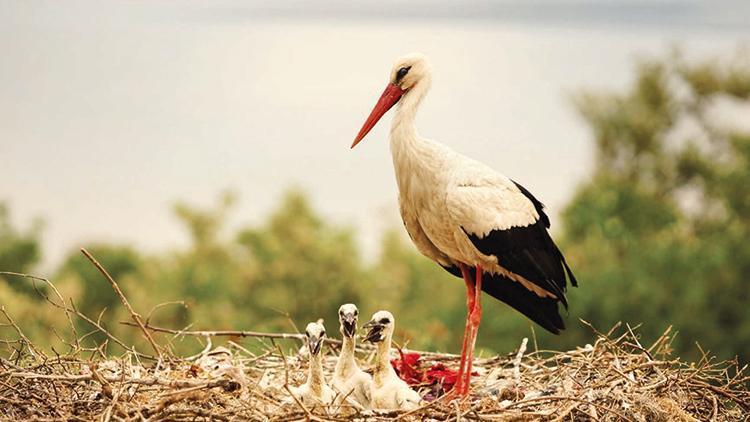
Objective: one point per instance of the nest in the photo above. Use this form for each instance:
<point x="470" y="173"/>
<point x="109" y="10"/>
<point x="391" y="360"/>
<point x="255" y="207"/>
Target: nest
<point x="615" y="378"/>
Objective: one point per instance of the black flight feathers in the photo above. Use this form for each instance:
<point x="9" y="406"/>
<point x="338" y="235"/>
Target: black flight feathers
<point x="543" y="311"/>
<point x="529" y="252"/>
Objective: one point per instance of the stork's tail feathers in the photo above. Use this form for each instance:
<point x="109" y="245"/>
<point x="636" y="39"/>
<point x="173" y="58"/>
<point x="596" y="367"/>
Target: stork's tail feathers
<point x="542" y="310"/>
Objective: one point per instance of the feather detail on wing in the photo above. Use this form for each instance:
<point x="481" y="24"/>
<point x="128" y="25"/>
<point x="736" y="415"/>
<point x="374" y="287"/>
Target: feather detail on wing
<point x="542" y="310"/>
<point x="502" y="219"/>
<point x="493" y="205"/>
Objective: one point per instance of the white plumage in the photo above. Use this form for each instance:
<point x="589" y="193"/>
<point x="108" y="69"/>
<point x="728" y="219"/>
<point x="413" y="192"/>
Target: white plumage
<point x="473" y="221"/>
<point x="443" y="194"/>
<point x="388" y="392"/>
<point x="315" y="391"/>
<point x="349" y="380"/>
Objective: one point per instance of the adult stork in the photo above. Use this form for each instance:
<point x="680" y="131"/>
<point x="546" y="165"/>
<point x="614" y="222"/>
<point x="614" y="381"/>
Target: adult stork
<point x="471" y="220"/>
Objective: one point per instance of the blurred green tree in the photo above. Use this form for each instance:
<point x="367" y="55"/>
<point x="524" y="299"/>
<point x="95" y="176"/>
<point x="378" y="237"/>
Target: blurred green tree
<point x="96" y="293"/>
<point x="300" y="266"/>
<point x="428" y="302"/>
<point x="91" y="292"/>
<point x="659" y="233"/>
<point x="19" y="251"/>
<point x="205" y="276"/>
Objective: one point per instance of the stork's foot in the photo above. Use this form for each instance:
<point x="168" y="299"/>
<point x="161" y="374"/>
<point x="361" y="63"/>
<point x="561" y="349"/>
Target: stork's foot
<point x="462" y="400"/>
<point x="462" y="388"/>
<point x="465" y="388"/>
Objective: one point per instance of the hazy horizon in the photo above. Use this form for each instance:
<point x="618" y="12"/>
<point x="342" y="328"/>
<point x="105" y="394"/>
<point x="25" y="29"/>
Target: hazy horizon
<point x="109" y="114"/>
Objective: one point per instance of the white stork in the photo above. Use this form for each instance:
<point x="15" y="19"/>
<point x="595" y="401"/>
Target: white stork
<point x="471" y="220"/>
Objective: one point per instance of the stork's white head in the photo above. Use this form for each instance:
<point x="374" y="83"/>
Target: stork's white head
<point x="348" y="314"/>
<point x="410" y="74"/>
<point x="380" y="326"/>
<point x="315" y="333"/>
<point x="410" y="70"/>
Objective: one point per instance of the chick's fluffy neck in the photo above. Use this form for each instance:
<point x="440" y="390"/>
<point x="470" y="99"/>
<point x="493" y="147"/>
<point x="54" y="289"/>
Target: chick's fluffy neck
<point x="346" y="364"/>
<point x="383" y="368"/>
<point x="315" y="376"/>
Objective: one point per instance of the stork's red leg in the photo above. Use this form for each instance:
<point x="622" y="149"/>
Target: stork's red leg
<point x="473" y="320"/>
<point x="470" y="301"/>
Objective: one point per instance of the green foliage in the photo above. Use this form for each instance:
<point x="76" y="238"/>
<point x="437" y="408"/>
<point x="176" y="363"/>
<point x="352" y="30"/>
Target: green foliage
<point x="300" y="265"/>
<point x="428" y="302"/>
<point x="96" y="293"/>
<point x="657" y="235"/>
<point x="19" y="251"/>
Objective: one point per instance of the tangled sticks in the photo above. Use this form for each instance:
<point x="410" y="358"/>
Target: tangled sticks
<point x="615" y="378"/>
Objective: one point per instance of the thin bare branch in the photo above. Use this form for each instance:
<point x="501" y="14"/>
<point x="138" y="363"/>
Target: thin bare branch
<point x="123" y="299"/>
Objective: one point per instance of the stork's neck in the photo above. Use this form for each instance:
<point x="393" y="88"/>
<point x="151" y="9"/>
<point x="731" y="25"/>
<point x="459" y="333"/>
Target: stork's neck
<point x="402" y="127"/>
<point x="383" y="368"/>
<point x="315" y="378"/>
<point x="346" y="363"/>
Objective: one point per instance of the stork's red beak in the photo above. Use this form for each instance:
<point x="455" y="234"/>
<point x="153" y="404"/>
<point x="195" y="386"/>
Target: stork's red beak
<point x="390" y="96"/>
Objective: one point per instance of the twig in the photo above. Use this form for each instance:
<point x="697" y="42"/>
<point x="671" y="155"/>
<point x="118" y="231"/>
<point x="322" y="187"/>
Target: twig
<point x="103" y="379"/>
<point x="288" y="389"/>
<point x="203" y="352"/>
<point x="161" y="305"/>
<point x="25" y="339"/>
<point x="123" y="299"/>
<point x="558" y="398"/>
<point x="517" y="361"/>
<point x="73" y="330"/>
<point x="226" y="333"/>
<point x="103" y="330"/>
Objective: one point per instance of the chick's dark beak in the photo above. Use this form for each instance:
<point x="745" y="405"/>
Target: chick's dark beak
<point x="315" y="343"/>
<point x="349" y="323"/>
<point x="375" y="332"/>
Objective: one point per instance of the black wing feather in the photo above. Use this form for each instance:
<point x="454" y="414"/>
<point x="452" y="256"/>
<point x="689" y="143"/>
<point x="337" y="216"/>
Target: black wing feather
<point x="531" y="253"/>
<point x="539" y="206"/>
<point x="543" y="311"/>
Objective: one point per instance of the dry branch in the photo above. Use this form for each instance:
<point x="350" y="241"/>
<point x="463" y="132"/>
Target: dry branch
<point x="123" y="299"/>
<point x="223" y="333"/>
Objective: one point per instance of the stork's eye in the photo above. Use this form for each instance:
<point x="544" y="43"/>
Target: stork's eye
<point x="385" y="321"/>
<point x="356" y="313"/>
<point x="402" y="72"/>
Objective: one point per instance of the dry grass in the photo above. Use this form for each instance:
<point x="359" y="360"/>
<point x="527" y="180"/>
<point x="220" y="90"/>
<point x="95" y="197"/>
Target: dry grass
<point x="616" y="378"/>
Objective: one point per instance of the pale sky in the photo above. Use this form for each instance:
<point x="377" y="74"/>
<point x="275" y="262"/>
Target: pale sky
<point x="112" y="111"/>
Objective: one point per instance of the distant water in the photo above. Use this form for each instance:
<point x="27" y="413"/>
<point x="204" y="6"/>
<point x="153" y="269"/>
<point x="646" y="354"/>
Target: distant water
<point x="111" y="112"/>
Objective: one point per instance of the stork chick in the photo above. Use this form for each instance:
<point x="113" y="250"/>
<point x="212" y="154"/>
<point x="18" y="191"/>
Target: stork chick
<point x="315" y="391"/>
<point x="389" y="392"/>
<point x="348" y="379"/>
